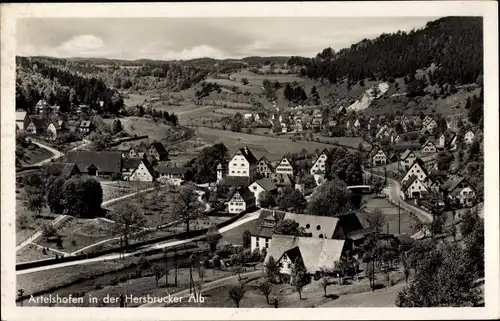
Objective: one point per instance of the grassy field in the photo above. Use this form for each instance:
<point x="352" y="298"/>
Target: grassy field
<point x="272" y="147"/>
<point x="79" y="233"/>
<point x="135" y="99"/>
<point x="230" y="111"/>
<point x="146" y="126"/>
<point x="234" y="236"/>
<point x="35" y="154"/>
<point x="32" y="220"/>
<point x="32" y="253"/>
<point x="115" y="190"/>
<point x="391" y="214"/>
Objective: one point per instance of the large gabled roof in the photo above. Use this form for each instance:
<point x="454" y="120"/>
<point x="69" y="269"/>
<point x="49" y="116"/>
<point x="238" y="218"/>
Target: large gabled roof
<point x="266" y="184"/>
<point x="109" y="162"/>
<point x="247" y="153"/>
<point x="453" y="182"/>
<point x="310" y="223"/>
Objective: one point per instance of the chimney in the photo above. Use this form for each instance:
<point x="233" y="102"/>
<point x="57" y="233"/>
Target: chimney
<point x="246" y="150"/>
<point x="274" y="213"/>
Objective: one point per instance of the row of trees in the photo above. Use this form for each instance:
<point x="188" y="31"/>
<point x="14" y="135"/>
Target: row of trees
<point x="39" y="79"/>
<point x="453" y="43"/>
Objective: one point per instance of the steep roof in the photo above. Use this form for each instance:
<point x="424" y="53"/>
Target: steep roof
<point x="453" y="182"/>
<point x="406" y="145"/>
<point x="350" y="222"/>
<point x="85" y="123"/>
<point x="266" y="184"/>
<point x="421" y="163"/>
<point x="160" y="149"/>
<point x="408" y="183"/>
<point x="326" y="224"/>
<point x="108" y="162"/>
<point x="131" y="163"/>
<point x="263" y="230"/>
<point x="245" y="194"/>
<point x="405" y="154"/>
<point x="20" y="115"/>
<point x="163" y="169"/>
<point x="237" y="181"/>
<point x="247" y="153"/>
<point x="60" y="169"/>
<point x="39" y="122"/>
<point x="316" y="252"/>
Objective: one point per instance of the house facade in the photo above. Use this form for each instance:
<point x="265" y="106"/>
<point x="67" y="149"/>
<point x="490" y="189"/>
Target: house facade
<point x="379" y="158"/>
<point x="97" y="163"/>
<point x="260" y="186"/>
<point x="413" y="188"/>
<point x="22" y="120"/>
<point x="263" y="229"/>
<point x="243" y="163"/>
<point x="264" y="167"/>
<point x="458" y="190"/>
<point x="158" y="151"/>
<point x="173" y="175"/>
<point x="284" y="167"/>
<point x="428" y="148"/>
<point x="418" y="170"/>
<point x="469" y="137"/>
<point x="407" y="158"/>
<point x="241" y="200"/>
<point x="320" y="162"/>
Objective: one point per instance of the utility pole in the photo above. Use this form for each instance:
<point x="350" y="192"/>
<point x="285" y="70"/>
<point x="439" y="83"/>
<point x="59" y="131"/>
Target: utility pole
<point x="21" y="292"/>
<point x="399" y="207"/>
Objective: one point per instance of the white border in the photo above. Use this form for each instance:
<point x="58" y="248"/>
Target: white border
<point x="487" y="9"/>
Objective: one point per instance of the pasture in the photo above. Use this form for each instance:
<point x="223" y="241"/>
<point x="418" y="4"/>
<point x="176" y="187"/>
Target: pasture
<point x="274" y="148"/>
<point x="146" y="126"/>
<point x="391" y="215"/>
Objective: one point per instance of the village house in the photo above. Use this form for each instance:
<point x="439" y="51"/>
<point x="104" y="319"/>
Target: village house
<point x="318" y="226"/>
<point x="357" y="124"/>
<point x="407" y="158"/>
<point x="82" y="109"/>
<point x="429" y="124"/>
<point x="86" y="126"/>
<point x="383" y="132"/>
<point x="395" y="138"/>
<point x="52" y="131"/>
<point x="315" y="253"/>
<point x="284" y="167"/>
<point x="125" y="150"/>
<point x="458" y="190"/>
<point x="172" y="174"/>
<point x="413" y="188"/>
<point x="378" y="157"/>
<point x="262" y="185"/>
<point x="393" y="157"/>
<point x="242" y="200"/>
<point x="417" y="169"/>
<point x="435" y="185"/>
<point x="469" y="137"/>
<point x="96" y="163"/>
<point x="138" y="169"/>
<point x="319" y="177"/>
<point x="320" y="162"/>
<point x="264" y="167"/>
<point x="428" y="148"/>
<point x="22" y="120"/>
<point x="282" y="180"/>
<point x="64" y="170"/>
<point x="243" y="163"/>
<point x="404" y="121"/>
<point x="37" y="125"/>
<point x="42" y="106"/>
<point x="263" y="228"/>
<point x="142" y="151"/>
<point x="158" y="151"/>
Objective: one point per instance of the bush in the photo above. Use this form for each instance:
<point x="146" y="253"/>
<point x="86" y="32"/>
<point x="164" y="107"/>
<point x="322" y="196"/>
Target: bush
<point x="113" y="281"/>
<point x="98" y="286"/>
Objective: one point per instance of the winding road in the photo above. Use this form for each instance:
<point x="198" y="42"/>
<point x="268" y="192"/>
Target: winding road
<point x="160" y="245"/>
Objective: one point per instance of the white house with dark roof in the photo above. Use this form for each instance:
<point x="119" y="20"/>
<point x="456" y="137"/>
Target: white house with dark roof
<point x="320" y="162"/>
<point x="241" y="200"/>
<point x="172" y="174"/>
<point x="383" y="132"/>
<point x="418" y="170"/>
<point x="318" y="226"/>
<point x="263" y="229"/>
<point x="378" y="157"/>
<point x="243" y="163"/>
<point x="319" y="177"/>
<point x="407" y="158"/>
<point x="428" y="148"/>
<point x="262" y="185"/>
<point x="85" y="126"/>
<point x="413" y="188"/>
<point x="158" y="151"/>
<point x="458" y="189"/>
<point x="316" y="253"/>
<point x="138" y="170"/>
<point x="469" y="137"/>
<point x="284" y="167"/>
<point x="264" y="167"/>
<point x="22" y="120"/>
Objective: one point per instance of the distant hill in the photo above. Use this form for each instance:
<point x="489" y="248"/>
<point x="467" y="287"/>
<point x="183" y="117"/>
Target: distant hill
<point x="454" y="44"/>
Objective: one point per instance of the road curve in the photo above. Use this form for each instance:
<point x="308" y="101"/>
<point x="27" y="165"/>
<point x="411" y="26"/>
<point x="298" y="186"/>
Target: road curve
<point x="160" y="245"/>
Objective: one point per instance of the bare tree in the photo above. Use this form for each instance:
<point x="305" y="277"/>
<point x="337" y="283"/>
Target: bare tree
<point x="324" y="282"/>
<point x="158" y="272"/>
<point x="237" y="293"/>
<point x="128" y="219"/>
<point x="265" y="288"/>
<point x="376" y="219"/>
<point x="186" y="205"/>
<point x="201" y="272"/>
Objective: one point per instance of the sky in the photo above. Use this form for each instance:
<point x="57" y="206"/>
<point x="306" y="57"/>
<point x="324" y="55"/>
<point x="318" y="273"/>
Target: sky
<point x="188" y="38"/>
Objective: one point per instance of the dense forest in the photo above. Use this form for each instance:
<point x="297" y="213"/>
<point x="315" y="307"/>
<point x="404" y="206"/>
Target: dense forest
<point x="454" y="44"/>
<point x="36" y="79"/>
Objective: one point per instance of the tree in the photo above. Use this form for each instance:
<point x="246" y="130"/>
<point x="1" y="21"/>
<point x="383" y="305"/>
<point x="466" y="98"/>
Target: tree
<point x="299" y="276"/>
<point x="288" y="227"/>
<point x="201" y="272"/>
<point x="288" y="92"/>
<point x="144" y="264"/>
<point x="370" y="274"/>
<point x="82" y="197"/>
<point x="237" y="293"/>
<point x="213" y="236"/>
<point x="36" y="202"/>
<point x="265" y="288"/>
<point x="55" y="193"/>
<point x="331" y="199"/>
<point x="117" y="126"/>
<point x="186" y="206"/>
<point x="474" y="249"/>
<point x="324" y="282"/>
<point x="128" y="219"/>
<point x="444" y="160"/>
<point x="244" y="81"/>
<point x="158" y="272"/>
<point x="291" y="199"/>
<point x="406" y="268"/>
<point x="246" y="239"/>
<point x="271" y="269"/>
<point x="266" y="200"/>
<point x="376" y="219"/>
<point x="203" y="167"/>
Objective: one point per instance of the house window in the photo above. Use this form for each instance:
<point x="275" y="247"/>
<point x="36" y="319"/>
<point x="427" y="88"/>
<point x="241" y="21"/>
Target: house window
<point x="318" y="227"/>
<point x="257" y="242"/>
<point x="308" y="226"/>
<point x="321" y="236"/>
<point x="255" y="187"/>
<point x="267" y="243"/>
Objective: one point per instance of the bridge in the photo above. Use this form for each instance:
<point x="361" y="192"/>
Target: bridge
<point x="362" y="188"/>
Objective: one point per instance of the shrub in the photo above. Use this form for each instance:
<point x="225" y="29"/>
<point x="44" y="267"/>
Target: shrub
<point x="113" y="281"/>
<point x="98" y="286"/>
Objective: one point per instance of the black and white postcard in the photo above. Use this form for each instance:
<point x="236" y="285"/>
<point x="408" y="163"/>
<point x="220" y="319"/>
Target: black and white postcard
<point x="250" y="156"/>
